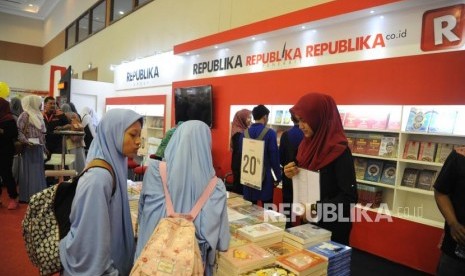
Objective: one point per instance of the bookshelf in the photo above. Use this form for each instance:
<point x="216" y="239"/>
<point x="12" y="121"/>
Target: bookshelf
<point x="402" y="124"/>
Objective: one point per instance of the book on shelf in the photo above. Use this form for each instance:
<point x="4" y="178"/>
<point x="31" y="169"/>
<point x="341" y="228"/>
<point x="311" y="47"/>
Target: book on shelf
<point x="427" y="151"/>
<point x="388" y="147"/>
<point x="426" y="179"/>
<point x="244" y="258"/>
<point x="373" y="144"/>
<point x="394" y="122"/>
<point x="418" y="119"/>
<point x="374" y="169"/>
<point x="342" y="114"/>
<point x="350" y="142"/>
<point x="442" y="121"/>
<point x="280" y="249"/>
<point x="409" y="179"/>
<point x="388" y="176"/>
<point x="443" y="152"/>
<point x="287" y="117"/>
<point x="459" y="128"/>
<point x="351" y="120"/>
<point x="303" y="262"/>
<point x="360" y="145"/>
<point x="411" y="150"/>
<point x="278" y="117"/>
<point x="378" y="120"/>
<point x="360" y="165"/>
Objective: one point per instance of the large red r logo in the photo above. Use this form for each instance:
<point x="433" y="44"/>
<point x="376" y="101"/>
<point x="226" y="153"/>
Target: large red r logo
<point x="443" y="28"/>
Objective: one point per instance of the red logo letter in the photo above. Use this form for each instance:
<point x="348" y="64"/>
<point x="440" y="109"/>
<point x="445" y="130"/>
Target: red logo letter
<point x="443" y="28"/>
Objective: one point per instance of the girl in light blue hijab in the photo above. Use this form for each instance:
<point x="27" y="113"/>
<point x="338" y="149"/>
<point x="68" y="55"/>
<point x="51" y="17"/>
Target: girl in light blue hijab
<point x="101" y="238"/>
<point x="189" y="170"/>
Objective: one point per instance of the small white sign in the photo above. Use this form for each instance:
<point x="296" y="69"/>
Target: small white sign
<point x="252" y="163"/>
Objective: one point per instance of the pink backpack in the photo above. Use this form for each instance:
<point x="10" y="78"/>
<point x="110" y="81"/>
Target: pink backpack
<point x="173" y="248"/>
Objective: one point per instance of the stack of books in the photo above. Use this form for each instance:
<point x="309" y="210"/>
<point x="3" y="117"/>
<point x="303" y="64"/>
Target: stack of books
<point x="242" y="259"/>
<point x="304" y="262"/>
<point x="338" y="256"/>
<point x="258" y="213"/>
<point x="262" y="234"/>
<point x="280" y="249"/>
<point x="235" y="225"/>
<point x="237" y="202"/>
<point x="306" y="235"/>
<point x="271" y="270"/>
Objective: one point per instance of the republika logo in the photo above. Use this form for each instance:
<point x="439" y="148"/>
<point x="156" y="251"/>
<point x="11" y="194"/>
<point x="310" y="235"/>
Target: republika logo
<point x="443" y="28"/>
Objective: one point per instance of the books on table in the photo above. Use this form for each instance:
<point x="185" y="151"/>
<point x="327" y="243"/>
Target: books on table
<point x="306" y="235"/>
<point x="262" y="234"/>
<point x="337" y="255"/>
<point x="280" y="249"/>
<point x="242" y="259"/>
<point x="304" y="262"/>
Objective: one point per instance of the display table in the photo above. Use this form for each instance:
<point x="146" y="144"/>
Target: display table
<point x="62" y="172"/>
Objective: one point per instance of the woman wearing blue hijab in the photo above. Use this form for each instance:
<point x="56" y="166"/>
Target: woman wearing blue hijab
<point x="101" y="239"/>
<point x="189" y="170"/>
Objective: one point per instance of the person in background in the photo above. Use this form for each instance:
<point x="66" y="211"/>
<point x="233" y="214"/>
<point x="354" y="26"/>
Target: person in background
<point x="75" y="144"/>
<point x="160" y="154"/>
<point x="15" y="107"/>
<point x="189" y="170"/>
<point x="324" y="149"/>
<point x="288" y="145"/>
<point x="242" y="120"/>
<point x="449" y="193"/>
<point x="54" y="120"/>
<point x="8" y="136"/>
<point x="73" y="109"/>
<point x="32" y="130"/>
<point x="101" y="238"/>
<point x="16" y="110"/>
<point x="89" y="122"/>
<point x="270" y="160"/>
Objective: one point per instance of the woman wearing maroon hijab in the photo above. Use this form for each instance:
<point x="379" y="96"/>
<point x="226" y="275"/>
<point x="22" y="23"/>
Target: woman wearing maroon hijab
<point x="240" y="123"/>
<point x="324" y="149"/>
<point x="8" y="135"/>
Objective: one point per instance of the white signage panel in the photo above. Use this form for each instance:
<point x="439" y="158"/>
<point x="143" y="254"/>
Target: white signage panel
<point x="400" y="29"/>
<point x="252" y="162"/>
<point x="157" y="70"/>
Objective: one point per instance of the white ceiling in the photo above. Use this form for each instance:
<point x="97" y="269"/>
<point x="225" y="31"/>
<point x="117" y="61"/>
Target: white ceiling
<point x="37" y="9"/>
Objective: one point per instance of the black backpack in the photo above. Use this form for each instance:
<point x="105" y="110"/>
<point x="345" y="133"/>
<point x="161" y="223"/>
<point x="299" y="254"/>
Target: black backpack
<point x="46" y="220"/>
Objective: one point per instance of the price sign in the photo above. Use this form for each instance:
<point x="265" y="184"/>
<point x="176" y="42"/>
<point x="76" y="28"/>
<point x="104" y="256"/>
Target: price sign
<point x="252" y="163"/>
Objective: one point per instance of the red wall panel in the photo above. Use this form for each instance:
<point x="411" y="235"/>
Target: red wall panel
<point x="435" y="79"/>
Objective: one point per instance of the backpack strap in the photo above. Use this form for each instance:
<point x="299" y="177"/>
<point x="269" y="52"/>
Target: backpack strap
<point x="260" y="136"/>
<point x="263" y="133"/>
<point x="246" y="133"/>
<point x="100" y="163"/>
<point x="200" y="202"/>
